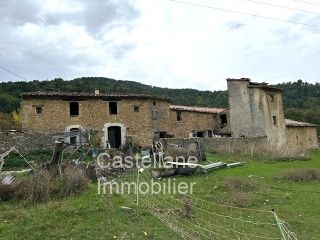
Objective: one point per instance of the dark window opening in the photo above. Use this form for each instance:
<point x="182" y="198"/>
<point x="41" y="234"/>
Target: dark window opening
<point x="114" y="136"/>
<point x="113" y="108"/>
<point x="162" y="134"/>
<point x="274" y="120"/>
<point x="155" y="115"/>
<point x="74" y="108"/>
<point x="272" y="98"/>
<point x="223" y="120"/>
<point x="154" y="103"/>
<point x="136" y="109"/>
<point x="200" y="134"/>
<point x="38" y="110"/>
<point x="179" y="116"/>
<point x="210" y="134"/>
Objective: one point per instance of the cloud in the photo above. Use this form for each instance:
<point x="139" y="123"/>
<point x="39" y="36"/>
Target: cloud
<point x="157" y="42"/>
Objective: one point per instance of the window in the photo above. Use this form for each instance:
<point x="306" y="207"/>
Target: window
<point x="272" y="98"/>
<point x="200" y="134"/>
<point x="74" y="108"/>
<point x="179" y="116"/>
<point x="155" y="115"/>
<point x="209" y="133"/>
<point x="223" y="120"/>
<point x="38" y="110"/>
<point x="274" y="120"/>
<point x="154" y="103"/>
<point x="136" y="108"/>
<point x="113" y="108"/>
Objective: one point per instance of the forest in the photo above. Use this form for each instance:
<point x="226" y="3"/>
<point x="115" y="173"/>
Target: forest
<point x="301" y="99"/>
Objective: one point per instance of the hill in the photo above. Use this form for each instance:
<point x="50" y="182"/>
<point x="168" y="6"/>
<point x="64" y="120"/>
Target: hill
<point x="301" y="99"/>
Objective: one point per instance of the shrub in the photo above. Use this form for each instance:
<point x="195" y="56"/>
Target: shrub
<point x="73" y="182"/>
<point x="300" y="175"/>
<point x="6" y="192"/>
<point x="186" y="209"/>
<point x="236" y="184"/>
<point x="242" y="199"/>
<point x="35" y="188"/>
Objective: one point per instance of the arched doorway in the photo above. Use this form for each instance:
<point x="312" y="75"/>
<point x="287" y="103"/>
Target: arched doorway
<point x="74" y="140"/>
<point x="76" y="137"/>
<point x="114" y="135"/>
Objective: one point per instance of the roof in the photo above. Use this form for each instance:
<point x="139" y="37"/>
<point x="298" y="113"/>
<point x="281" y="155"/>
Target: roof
<point x="262" y="85"/>
<point x="293" y="123"/>
<point x="196" y="109"/>
<point x="82" y="95"/>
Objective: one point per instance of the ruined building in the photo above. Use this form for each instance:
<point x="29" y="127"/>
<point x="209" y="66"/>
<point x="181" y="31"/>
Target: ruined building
<point x="256" y="110"/>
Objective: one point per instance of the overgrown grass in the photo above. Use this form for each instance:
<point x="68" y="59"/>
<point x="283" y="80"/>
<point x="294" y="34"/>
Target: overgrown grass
<point x="15" y="162"/>
<point x="92" y="216"/>
<point x="301" y="175"/>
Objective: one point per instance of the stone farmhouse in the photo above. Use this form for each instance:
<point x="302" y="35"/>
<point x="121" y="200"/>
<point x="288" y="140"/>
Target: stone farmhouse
<point x="255" y="110"/>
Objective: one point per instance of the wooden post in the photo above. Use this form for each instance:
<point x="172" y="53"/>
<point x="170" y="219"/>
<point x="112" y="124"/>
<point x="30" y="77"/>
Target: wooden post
<point x="57" y="153"/>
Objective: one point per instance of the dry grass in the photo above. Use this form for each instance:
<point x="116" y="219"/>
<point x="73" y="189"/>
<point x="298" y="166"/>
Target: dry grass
<point x="6" y="192"/>
<point x="242" y="199"/>
<point x="186" y="209"/>
<point x="35" y="188"/>
<point x="240" y="184"/>
<point x="301" y="175"/>
<point x="73" y="182"/>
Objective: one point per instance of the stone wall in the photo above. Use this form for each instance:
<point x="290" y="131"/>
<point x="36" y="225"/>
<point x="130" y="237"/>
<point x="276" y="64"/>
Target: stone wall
<point x="221" y="145"/>
<point x="153" y="115"/>
<point x="301" y="138"/>
<point x="25" y="142"/>
<point x="192" y="121"/>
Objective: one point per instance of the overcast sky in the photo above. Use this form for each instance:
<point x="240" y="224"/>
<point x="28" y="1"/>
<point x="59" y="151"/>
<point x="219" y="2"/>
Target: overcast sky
<point x="159" y="42"/>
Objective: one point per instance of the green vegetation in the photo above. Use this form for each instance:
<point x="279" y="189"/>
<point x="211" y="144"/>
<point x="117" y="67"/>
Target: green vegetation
<point x="256" y="185"/>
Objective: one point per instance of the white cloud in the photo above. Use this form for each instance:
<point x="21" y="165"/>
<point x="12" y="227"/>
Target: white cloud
<point x="158" y="42"/>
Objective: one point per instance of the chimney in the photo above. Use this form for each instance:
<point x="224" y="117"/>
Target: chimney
<point x="96" y="92"/>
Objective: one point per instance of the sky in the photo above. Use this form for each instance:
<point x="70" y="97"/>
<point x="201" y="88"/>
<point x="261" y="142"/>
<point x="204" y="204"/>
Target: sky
<point x="160" y="42"/>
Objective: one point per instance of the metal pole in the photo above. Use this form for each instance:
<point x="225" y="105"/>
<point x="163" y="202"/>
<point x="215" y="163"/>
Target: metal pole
<point x="137" y="187"/>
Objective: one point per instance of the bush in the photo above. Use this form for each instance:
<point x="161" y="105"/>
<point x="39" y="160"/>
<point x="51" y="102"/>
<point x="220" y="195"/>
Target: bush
<point x="242" y="199"/>
<point x="300" y="175"/>
<point x="35" y="188"/>
<point x="236" y="184"/>
<point x="73" y="182"/>
<point x="6" y="192"/>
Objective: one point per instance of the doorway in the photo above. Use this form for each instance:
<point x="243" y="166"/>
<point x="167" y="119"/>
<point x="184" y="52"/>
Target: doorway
<point x="114" y="136"/>
<point x="74" y="140"/>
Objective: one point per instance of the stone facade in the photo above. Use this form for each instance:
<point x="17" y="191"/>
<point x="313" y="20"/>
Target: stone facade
<point x="301" y="138"/>
<point x="139" y="117"/>
<point x="256" y="110"/>
<point x="193" y="123"/>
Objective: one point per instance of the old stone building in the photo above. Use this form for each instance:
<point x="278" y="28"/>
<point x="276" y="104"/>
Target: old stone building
<point x="191" y="122"/>
<point x="255" y="110"/>
<point x="114" y="117"/>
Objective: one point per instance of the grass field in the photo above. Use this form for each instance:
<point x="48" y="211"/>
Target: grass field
<point x="92" y="216"/>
